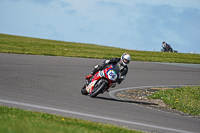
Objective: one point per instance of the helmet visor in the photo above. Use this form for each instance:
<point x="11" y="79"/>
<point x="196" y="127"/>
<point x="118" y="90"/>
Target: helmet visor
<point x="126" y="61"/>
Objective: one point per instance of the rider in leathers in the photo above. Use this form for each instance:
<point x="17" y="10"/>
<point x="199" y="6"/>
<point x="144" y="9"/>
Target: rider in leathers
<point x="165" y="46"/>
<point x="121" y="62"/>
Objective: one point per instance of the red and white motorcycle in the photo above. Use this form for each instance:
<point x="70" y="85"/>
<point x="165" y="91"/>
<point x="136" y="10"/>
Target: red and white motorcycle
<point x="101" y="81"/>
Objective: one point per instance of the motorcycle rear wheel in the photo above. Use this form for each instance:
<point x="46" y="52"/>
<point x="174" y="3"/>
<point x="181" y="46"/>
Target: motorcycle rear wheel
<point x="98" y="89"/>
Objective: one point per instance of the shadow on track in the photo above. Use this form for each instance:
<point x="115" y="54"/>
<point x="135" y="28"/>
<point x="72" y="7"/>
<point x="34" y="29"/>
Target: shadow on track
<point x="125" y="101"/>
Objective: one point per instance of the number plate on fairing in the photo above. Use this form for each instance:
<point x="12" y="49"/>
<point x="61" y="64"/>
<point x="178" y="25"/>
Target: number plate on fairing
<point x="112" y="75"/>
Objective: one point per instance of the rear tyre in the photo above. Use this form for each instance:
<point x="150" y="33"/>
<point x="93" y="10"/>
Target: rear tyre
<point x="83" y="90"/>
<point x="170" y="50"/>
<point x="98" y="89"/>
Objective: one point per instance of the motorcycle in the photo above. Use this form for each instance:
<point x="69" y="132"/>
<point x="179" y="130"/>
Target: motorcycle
<point x="168" y="49"/>
<point x="101" y="81"/>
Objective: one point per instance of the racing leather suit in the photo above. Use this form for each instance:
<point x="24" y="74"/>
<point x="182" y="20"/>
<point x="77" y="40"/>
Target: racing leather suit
<point x="166" y="46"/>
<point x="113" y="61"/>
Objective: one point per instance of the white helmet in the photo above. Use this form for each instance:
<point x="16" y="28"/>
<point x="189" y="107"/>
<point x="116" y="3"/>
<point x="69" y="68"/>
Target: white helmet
<point x="125" y="59"/>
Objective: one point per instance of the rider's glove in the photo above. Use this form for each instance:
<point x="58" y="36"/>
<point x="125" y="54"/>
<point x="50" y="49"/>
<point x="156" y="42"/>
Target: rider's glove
<point x="121" y="79"/>
<point x="113" y="85"/>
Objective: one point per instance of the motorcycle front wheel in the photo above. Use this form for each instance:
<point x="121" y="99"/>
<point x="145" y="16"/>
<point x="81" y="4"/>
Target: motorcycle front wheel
<point x="83" y="90"/>
<point x="98" y="89"/>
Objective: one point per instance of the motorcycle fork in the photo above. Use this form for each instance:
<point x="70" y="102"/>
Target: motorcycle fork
<point x="106" y="89"/>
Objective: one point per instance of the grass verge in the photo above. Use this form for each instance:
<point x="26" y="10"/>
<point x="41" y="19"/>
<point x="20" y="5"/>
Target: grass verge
<point x="185" y="99"/>
<point x="35" y="46"/>
<point x="13" y="120"/>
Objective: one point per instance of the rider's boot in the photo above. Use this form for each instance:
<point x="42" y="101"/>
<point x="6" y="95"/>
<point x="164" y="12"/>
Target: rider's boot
<point x="88" y="77"/>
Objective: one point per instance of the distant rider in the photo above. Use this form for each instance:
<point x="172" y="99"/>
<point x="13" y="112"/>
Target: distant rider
<point x="165" y="46"/>
<point x="121" y="62"/>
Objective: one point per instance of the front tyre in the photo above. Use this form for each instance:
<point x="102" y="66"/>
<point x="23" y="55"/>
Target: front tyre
<point x="170" y="50"/>
<point x="98" y="89"/>
<point x="83" y="90"/>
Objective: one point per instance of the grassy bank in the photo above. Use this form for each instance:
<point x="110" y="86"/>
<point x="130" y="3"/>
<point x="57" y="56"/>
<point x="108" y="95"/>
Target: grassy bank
<point x="185" y="99"/>
<point x="14" y="120"/>
<point x="35" y="46"/>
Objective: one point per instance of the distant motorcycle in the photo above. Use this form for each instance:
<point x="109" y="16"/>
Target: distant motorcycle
<point x="168" y="49"/>
<point x="101" y="81"/>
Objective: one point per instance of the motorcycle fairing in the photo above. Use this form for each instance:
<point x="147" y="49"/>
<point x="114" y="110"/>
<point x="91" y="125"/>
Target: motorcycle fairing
<point x="90" y="87"/>
<point x="106" y="73"/>
<point x="101" y="74"/>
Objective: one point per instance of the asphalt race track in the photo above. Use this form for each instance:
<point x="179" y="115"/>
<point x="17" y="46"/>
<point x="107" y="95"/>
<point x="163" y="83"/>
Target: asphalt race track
<point x="52" y="84"/>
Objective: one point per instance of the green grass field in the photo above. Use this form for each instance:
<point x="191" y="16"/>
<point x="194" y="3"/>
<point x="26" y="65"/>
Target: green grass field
<point x="15" y="120"/>
<point x="34" y="46"/>
<point x="185" y="99"/>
